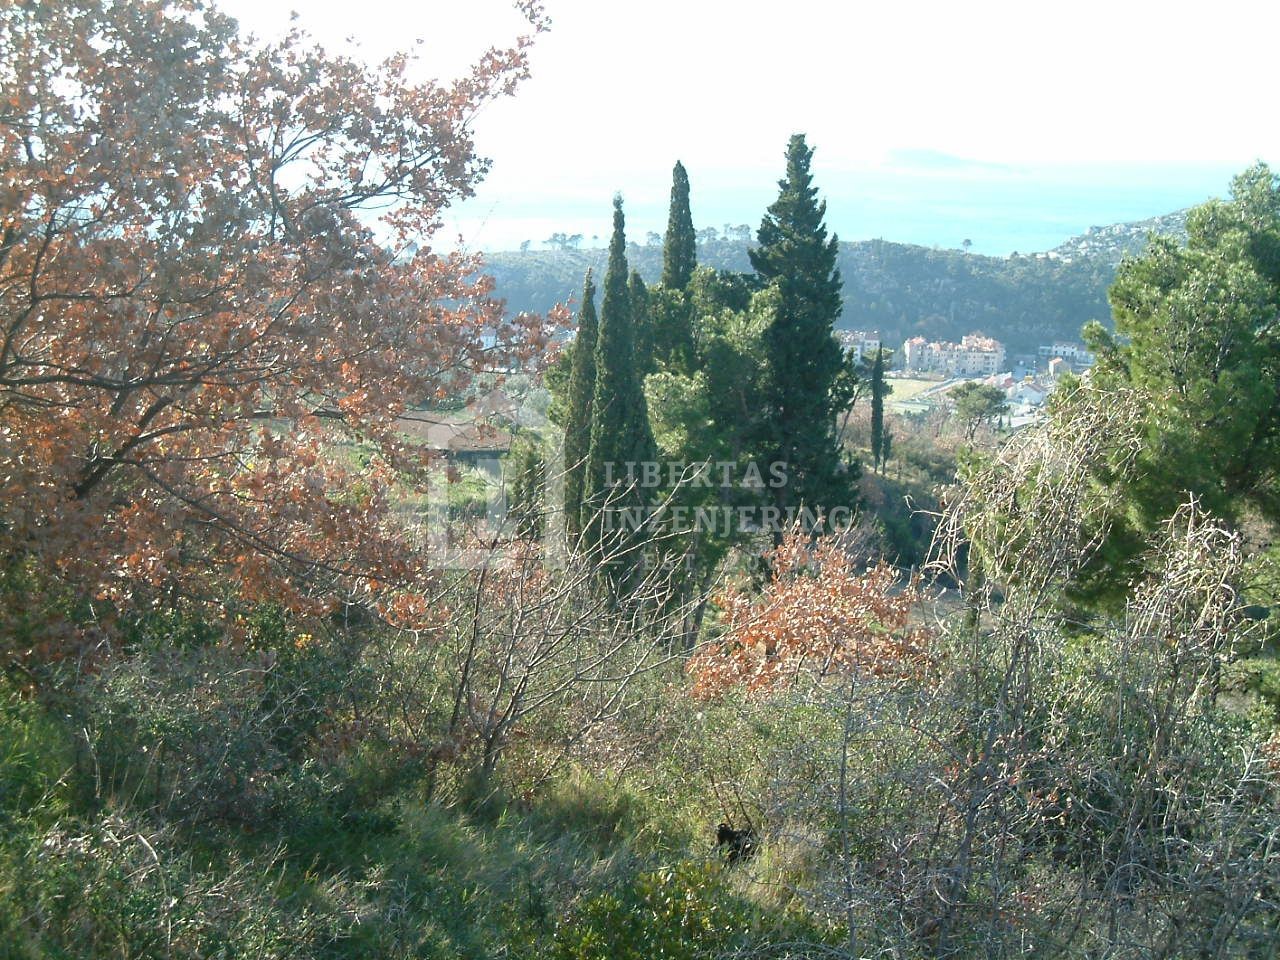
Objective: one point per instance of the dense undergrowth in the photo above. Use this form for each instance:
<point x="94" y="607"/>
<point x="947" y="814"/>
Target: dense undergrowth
<point x="191" y="798"/>
<point x="188" y="800"/>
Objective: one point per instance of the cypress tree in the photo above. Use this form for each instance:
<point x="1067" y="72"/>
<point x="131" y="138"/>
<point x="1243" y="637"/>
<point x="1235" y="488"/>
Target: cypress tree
<point x="581" y="393"/>
<point x="528" y="473"/>
<point x="679" y="251"/>
<point x="877" y="409"/>
<point x="641" y="323"/>
<point x="668" y="315"/>
<point x="809" y="381"/>
<point x="620" y="431"/>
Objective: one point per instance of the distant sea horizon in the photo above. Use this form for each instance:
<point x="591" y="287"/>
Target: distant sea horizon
<point x="921" y="198"/>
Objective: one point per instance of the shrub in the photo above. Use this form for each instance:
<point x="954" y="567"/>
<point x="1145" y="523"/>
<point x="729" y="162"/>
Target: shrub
<point x="35" y="756"/>
<point x="121" y="887"/>
<point x="204" y="730"/>
<point x="684" y="912"/>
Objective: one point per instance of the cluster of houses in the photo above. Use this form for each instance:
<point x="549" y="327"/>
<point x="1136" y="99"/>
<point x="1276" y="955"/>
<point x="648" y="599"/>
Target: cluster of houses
<point x="1069" y="356"/>
<point x="974" y="356"/>
<point x="1025" y="395"/>
<point x="979" y="357"/>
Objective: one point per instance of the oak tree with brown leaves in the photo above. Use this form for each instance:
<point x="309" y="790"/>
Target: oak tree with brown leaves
<point x="215" y="261"/>
<point x="818" y="616"/>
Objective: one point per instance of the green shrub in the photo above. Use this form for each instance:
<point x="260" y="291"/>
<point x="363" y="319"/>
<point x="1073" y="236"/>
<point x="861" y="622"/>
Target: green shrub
<point x="1259" y="678"/>
<point x="206" y="731"/>
<point x="684" y="912"/>
<point x="469" y="496"/>
<point x="121" y="887"/>
<point x="35" y="757"/>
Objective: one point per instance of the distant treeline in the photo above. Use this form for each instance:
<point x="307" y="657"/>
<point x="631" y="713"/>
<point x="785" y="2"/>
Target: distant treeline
<point x="899" y="289"/>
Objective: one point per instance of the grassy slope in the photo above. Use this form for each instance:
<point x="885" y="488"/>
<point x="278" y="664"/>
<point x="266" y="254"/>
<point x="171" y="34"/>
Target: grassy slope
<point x="356" y="870"/>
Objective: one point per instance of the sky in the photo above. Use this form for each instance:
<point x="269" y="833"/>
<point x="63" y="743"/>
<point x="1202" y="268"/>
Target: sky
<point x="1011" y="124"/>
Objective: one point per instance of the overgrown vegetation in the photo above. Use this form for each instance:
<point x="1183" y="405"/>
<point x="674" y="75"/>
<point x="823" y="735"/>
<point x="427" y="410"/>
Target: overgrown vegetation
<point x="248" y="710"/>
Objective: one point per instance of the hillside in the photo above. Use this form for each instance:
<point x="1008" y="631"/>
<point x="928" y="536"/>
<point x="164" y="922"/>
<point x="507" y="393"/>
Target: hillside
<point x="900" y="289"/>
<point x="1119" y="240"/>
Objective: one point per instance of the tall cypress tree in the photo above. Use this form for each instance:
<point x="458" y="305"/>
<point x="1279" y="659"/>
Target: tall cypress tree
<point x="669" y="327"/>
<point x="577" y="430"/>
<point x="620" y="431"/>
<point x="641" y="323"/>
<point x="679" y="251"/>
<point x="877" y="409"/>
<point x="809" y="380"/>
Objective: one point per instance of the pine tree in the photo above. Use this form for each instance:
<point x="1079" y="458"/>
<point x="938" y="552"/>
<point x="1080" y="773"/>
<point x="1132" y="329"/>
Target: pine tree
<point x="679" y="252"/>
<point x="578" y="417"/>
<point x="809" y="380"/>
<point x="620" y="431"/>
<point x="1197" y="348"/>
<point x="877" y="409"/>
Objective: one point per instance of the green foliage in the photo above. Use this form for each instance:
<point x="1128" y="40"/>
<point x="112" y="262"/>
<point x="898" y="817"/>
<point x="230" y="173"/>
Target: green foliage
<point x="808" y="380"/>
<point x="620" y="431"/>
<point x="670" y="315"/>
<point x="338" y="856"/>
<point x="121" y="888"/>
<point x="1259" y="677"/>
<point x="579" y="408"/>
<point x="677" y="315"/>
<point x="35" y="756"/>
<point x="976" y="404"/>
<point x="200" y="736"/>
<point x="344" y="860"/>
<point x="193" y="800"/>
<point x="467" y="496"/>
<point x="794" y="249"/>
<point x="1199" y="340"/>
<point x="904" y="509"/>
<point x="35" y="605"/>
<point x="642" y="322"/>
<point x="714" y="415"/>
<point x="1197" y="346"/>
<point x="527" y="469"/>
<point x="715" y="290"/>
<point x="683" y="912"/>
<point x="556" y="380"/>
<point x="679" y="250"/>
<point x="879" y="390"/>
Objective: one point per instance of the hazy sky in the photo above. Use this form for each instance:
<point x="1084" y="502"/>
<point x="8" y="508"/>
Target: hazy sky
<point x="1013" y="124"/>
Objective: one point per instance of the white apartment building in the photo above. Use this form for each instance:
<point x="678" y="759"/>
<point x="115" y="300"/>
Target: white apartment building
<point x="861" y="343"/>
<point x="974" y="356"/>
<point x="1074" y="353"/>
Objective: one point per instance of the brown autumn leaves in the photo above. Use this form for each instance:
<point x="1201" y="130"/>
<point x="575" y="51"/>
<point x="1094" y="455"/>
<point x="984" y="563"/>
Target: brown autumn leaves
<point x="215" y="277"/>
<point x="206" y="279"/>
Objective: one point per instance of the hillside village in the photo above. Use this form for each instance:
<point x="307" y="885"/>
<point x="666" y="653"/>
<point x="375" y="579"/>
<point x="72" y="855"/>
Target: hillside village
<point x="938" y="366"/>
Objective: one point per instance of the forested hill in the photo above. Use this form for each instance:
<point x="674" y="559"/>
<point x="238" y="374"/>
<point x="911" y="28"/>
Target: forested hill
<point x="899" y="289"/>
